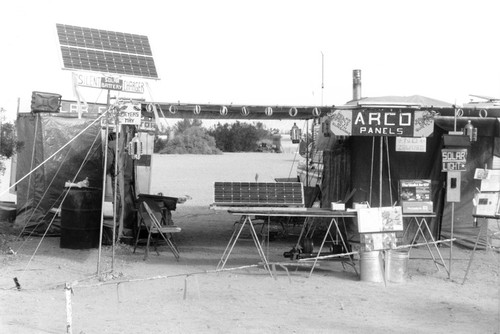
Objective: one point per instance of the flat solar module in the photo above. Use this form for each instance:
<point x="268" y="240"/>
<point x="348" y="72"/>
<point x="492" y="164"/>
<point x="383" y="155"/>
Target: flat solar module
<point x="259" y="193"/>
<point x="106" y="51"/>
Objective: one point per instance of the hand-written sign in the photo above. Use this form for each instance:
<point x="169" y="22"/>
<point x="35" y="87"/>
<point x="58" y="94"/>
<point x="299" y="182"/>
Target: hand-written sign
<point x="411" y="144"/>
<point x="382" y="122"/>
<point x="130" y="114"/>
<point x="110" y="83"/>
<point x="453" y="159"/>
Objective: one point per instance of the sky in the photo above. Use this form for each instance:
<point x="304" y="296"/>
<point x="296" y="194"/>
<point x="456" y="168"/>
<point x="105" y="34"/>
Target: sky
<point x="265" y="52"/>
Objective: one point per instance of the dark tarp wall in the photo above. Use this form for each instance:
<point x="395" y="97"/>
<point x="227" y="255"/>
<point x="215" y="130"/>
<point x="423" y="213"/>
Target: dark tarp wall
<point x="480" y="154"/>
<point x="43" y="135"/>
<point x="347" y="166"/>
<point x="403" y="165"/>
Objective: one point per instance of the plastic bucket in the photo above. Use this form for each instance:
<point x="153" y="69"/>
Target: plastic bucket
<point x="371" y="266"/>
<point x="396" y="265"/>
<point x="80" y="218"/>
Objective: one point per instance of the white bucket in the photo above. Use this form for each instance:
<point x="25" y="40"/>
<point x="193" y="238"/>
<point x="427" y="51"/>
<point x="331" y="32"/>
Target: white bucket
<point x="371" y="266"/>
<point x="396" y="266"/>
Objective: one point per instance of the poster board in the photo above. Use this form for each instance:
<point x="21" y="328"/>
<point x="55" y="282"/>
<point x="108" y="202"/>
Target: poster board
<point x="487" y="204"/>
<point x="384" y="219"/>
<point x="378" y="241"/>
<point x="415" y="196"/>
<point x="490" y="179"/>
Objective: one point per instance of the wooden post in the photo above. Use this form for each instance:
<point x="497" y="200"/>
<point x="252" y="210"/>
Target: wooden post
<point x="69" y="321"/>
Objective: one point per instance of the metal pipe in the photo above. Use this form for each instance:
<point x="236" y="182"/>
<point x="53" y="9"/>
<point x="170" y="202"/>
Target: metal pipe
<point x="356" y="85"/>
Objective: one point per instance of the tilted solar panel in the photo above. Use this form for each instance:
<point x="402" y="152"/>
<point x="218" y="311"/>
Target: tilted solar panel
<point x="106" y="51"/>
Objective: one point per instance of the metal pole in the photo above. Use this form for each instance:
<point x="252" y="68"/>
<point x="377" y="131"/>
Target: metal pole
<point x="117" y="132"/>
<point x="451" y="237"/>
<point x="103" y="185"/>
<point x="381" y="157"/>
<point x="103" y="196"/>
<point x="307" y="153"/>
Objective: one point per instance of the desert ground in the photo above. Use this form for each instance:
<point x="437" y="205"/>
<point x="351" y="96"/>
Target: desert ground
<point x="162" y="295"/>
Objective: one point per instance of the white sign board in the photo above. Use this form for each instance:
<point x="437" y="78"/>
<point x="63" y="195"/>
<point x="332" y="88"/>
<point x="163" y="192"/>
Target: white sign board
<point x="130" y="114"/>
<point x="409" y="144"/>
<point x="492" y="182"/>
<point x="111" y="83"/>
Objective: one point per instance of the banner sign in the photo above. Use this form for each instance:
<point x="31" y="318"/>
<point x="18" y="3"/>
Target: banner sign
<point x="111" y="83"/>
<point x="366" y="122"/>
<point x="72" y="107"/>
<point x="453" y="159"/>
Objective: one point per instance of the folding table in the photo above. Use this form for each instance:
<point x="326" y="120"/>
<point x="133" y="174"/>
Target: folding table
<point x="308" y="213"/>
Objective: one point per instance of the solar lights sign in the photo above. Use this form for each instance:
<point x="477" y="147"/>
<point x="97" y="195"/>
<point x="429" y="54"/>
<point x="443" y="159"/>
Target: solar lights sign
<point x="105" y="51"/>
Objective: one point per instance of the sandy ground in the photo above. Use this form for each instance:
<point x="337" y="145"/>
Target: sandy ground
<point x="162" y="295"/>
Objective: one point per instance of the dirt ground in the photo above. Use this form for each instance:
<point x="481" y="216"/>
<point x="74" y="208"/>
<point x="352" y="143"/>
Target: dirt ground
<point x="162" y="295"/>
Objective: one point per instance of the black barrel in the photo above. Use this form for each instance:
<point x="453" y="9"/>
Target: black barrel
<point x="80" y="218"/>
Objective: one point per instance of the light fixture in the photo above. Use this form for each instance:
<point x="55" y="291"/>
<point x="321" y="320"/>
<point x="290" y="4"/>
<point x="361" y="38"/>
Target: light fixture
<point x="325" y="127"/>
<point x="135" y="147"/>
<point x="295" y="134"/>
<point x="470" y="131"/>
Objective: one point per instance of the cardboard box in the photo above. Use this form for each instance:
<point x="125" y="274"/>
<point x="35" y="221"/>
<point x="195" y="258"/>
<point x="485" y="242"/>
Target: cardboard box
<point x="417" y="207"/>
<point x="338" y="206"/>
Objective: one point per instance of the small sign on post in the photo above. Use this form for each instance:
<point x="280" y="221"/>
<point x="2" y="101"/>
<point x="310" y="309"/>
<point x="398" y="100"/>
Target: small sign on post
<point x="453" y="159"/>
<point x="130" y="114"/>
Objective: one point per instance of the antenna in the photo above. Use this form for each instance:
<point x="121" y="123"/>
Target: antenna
<point x="322" y="76"/>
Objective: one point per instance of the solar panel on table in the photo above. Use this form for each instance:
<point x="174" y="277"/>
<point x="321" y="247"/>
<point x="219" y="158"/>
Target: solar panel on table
<point x="259" y="193"/>
<point x="106" y="51"/>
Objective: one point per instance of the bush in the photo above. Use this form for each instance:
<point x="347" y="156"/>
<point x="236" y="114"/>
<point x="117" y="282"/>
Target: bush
<point x="193" y="140"/>
<point x="8" y="144"/>
<point x="239" y="137"/>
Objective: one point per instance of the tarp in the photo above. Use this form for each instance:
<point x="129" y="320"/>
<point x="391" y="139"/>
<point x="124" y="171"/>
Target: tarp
<point x="43" y="135"/>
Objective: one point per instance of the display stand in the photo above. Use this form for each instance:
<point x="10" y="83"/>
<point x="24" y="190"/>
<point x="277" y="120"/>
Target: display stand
<point x="422" y="227"/>
<point x="482" y="228"/>
<point x="245" y="219"/>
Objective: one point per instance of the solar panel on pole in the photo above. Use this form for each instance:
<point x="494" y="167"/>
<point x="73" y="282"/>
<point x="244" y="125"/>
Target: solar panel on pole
<point x="106" y="51"/>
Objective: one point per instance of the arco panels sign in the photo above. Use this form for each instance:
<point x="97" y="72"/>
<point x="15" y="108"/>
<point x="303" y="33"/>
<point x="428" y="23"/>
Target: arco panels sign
<point x="366" y="122"/>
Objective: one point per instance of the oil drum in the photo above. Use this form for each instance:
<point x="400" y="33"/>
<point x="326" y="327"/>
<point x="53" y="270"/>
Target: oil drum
<point x="80" y="218"/>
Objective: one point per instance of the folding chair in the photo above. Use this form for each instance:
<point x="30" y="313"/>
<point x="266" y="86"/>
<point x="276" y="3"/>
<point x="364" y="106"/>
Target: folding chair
<point x="150" y="218"/>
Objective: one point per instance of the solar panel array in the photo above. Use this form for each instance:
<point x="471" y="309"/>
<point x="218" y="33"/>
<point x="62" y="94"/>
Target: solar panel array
<point x="106" y="51"/>
<point x="259" y="193"/>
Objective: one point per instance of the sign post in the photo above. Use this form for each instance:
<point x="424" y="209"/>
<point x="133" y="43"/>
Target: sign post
<point x="453" y="163"/>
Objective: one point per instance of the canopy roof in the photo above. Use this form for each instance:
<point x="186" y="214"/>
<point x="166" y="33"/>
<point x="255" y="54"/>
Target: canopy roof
<point x="417" y="101"/>
<point x="289" y="112"/>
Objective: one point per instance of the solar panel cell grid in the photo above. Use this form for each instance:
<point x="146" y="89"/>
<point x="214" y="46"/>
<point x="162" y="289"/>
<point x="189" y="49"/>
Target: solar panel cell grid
<point x="106" y="51"/>
<point x="246" y="193"/>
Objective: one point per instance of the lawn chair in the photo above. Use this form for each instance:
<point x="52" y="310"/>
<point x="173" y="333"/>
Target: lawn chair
<point x="150" y="218"/>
